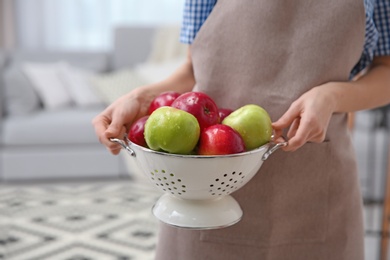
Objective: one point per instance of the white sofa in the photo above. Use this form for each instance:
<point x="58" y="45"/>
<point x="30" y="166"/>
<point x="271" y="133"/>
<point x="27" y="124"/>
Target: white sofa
<point x="38" y="143"/>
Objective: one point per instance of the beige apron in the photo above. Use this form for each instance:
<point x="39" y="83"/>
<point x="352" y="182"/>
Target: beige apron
<point x="303" y="205"/>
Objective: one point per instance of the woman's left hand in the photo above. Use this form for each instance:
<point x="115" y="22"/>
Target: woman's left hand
<point x="307" y="118"/>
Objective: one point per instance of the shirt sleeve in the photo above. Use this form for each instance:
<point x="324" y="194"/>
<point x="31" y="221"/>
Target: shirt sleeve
<point x="382" y="22"/>
<point x="377" y="38"/>
<point x="194" y="15"/>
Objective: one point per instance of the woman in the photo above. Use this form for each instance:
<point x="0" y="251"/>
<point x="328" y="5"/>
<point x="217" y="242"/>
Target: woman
<point x="295" y="59"/>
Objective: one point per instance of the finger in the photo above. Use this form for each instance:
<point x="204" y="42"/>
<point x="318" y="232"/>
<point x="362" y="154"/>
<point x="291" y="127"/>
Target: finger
<point x="277" y="133"/>
<point x="319" y="138"/>
<point x="115" y="130"/>
<point x="299" y="139"/>
<point x="115" y="150"/>
<point x="287" y="118"/>
<point x="293" y="128"/>
<point x="101" y="124"/>
<point x="122" y="118"/>
<point x="115" y="127"/>
<point x="114" y="147"/>
<point x="118" y="128"/>
<point x="279" y="140"/>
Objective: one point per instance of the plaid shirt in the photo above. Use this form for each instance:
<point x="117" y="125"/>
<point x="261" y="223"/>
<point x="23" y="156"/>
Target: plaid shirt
<point x="377" y="38"/>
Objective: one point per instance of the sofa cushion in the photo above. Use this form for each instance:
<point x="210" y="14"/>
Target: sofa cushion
<point x="79" y="86"/>
<point x="110" y="86"/>
<point x="20" y="97"/>
<point x="113" y="85"/>
<point x="47" y="82"/>
<point x="66" y="127"/>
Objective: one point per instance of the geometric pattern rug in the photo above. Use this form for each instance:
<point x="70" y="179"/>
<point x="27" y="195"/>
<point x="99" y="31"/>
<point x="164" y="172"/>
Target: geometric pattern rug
<point x="101" y="220"/>
<point x="108" y="220"/>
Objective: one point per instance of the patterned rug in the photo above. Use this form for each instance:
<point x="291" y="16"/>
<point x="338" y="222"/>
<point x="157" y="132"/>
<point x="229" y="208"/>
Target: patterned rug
<point x="103" y="220"/>
<point x="108" y="220"/>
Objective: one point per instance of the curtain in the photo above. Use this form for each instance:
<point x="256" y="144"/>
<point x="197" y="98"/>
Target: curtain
<point x="86" y="24"/>
<point x="7" y="40"/>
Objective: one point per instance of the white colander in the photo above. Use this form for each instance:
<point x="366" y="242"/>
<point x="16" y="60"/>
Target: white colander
<point x="197" y="188"/>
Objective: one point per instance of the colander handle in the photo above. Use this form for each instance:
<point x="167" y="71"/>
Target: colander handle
<point x="272" y="149"/>
<point x="124" y="144"/>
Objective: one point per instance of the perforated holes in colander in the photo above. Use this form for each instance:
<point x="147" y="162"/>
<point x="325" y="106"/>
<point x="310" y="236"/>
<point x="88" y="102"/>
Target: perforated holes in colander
<point x="226" y="184"/>
<point x="168" y="182"/>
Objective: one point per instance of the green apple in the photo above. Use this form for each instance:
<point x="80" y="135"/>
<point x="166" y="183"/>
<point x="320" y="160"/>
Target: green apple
<point x="172" y="130"/>
<point x="253" y="123"/>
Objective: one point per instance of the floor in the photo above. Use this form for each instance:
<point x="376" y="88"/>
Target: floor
<point x="108" y="220"/>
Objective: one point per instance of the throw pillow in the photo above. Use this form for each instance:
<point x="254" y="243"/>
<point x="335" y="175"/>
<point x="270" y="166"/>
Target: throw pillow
<point x="77" y="82"/>
<point x="46" y="79"/>
<point x="156" y="71"/>
<point x="113" y="85"/>
<point x="20" y="96"/>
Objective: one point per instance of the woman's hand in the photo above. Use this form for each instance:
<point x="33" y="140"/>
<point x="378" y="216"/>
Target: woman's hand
<point x="117" y="118"/>
<point x="307" y="118"/>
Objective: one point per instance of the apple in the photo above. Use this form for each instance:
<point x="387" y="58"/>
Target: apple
<point x="172" y="130"/>
<point x="199" y="105"/>
<point x="253" y="123"/>
<point x="220" y="139"/>
<point x="164" y="99"/>
<point x="136" y="131"/>
<point x="224" y="112"/>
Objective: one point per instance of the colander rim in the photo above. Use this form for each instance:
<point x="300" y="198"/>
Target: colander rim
<point x="195" y="156"/>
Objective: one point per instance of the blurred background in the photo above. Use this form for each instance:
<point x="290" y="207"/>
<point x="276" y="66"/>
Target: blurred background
<point x="62" y="195"/>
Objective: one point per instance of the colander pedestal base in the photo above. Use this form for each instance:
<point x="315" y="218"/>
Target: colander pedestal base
<point x="198" y="214"/>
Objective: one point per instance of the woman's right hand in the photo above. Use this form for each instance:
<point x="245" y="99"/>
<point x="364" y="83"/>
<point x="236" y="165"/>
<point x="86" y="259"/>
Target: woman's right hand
<point x="116" y="119"/>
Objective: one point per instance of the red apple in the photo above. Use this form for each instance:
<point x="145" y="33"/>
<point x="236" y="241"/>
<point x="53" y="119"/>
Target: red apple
<point x="219" y="140"/>
<point x="199" y="105"/>
<point x="164" y="99"/>
<point x="136" y="131"/>
<point x="224" y="112"/>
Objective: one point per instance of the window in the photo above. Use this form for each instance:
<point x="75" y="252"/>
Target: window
<point x="86" y="24"/>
